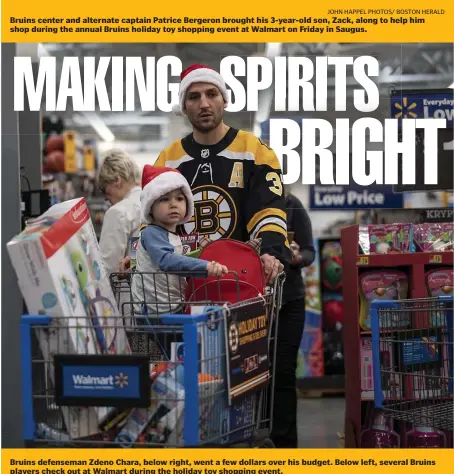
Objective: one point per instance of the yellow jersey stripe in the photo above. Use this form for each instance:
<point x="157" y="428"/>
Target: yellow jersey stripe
<point x="247" y="144"/>
<point x="267" y="157"/>
<point x="173" y="153"/>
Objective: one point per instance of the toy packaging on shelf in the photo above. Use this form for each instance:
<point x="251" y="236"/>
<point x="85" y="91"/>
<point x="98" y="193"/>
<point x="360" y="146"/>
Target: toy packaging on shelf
<point x="382" y="285"/>
<point x="426" y="361"/>
<point x="391" y="384"/>
<point x="391" y="238"/>
<point x="406" y="238"/>
<point x="434" y="237"/>
<point x="61" y="273"/>
<point x="439" y="283"/>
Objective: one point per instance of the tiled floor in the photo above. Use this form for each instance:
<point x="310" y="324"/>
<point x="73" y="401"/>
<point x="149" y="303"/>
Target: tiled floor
<point x="319" y="421"/>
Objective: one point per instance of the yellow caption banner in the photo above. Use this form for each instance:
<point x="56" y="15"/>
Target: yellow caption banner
<point x="387" y="21"/>
<point x="237" y="461"/>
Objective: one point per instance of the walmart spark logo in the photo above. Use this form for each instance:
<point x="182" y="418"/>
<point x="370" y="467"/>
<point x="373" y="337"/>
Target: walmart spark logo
<point x="405" y="109"/>
<point x="121" y="380"/>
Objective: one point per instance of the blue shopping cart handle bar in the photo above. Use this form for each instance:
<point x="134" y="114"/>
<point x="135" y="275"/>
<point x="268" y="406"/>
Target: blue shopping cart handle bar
<point x="191" y="319"/>
<point x="396" y="304"/>
<point x="36" y="319"/>
<point x="182" y="319"/>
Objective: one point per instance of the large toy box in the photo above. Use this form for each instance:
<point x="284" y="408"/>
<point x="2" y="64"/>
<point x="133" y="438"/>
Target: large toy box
<point x="60" y="273"/>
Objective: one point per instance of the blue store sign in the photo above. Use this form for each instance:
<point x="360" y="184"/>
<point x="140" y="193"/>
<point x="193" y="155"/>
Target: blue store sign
<point x="436" y="103"/>
<point x="354" y="197"/>
<point x="415" y="104"/>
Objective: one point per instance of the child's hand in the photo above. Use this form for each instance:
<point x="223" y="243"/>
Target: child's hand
<point x="216" y="269"/>
<point x="124" y="265"/>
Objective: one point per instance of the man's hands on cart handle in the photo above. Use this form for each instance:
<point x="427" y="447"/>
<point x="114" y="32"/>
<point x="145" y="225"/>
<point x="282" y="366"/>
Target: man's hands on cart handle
<point x="271" y="266"/>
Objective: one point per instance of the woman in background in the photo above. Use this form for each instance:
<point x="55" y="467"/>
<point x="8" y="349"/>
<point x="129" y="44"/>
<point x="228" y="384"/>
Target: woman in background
<point x="119" y="180"/>
<point x="291" y="326"/>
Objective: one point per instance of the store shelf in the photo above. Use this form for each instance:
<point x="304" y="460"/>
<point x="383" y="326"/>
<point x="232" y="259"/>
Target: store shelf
<point x="354" y="265"/>
<point x="400" y="260"/>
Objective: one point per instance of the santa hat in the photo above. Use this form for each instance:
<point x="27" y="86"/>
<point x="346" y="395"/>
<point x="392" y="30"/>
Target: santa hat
<point x="159" y="180"/>
<point x="198" y="73"/>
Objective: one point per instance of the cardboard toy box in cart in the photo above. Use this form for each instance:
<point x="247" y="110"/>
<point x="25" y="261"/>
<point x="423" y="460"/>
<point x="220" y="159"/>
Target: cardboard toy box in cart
<point x="60" y="273"/>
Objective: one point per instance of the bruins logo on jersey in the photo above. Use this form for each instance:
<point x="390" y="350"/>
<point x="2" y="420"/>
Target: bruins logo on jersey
<point x="215" y="213"/>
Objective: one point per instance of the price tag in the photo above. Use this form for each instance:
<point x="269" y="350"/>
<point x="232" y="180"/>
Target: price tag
<point x="435" y="259"/>
<point x="363" y="260"/>
<point x="70" y="152"/>
<point x="89" y="158"/>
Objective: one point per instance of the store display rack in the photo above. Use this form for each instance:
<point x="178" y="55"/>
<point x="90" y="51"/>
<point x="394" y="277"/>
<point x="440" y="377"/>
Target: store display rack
<point x="415" y="265"/>
<point x="327" y="374"/>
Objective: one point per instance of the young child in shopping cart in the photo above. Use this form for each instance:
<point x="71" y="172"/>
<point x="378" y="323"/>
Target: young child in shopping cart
<point x="159" y="281"/>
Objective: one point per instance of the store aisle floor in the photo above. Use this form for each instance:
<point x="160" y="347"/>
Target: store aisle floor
<point x="319" y="421"/>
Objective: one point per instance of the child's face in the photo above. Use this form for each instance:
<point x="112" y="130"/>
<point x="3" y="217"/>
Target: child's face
<point x="170" y="209"/>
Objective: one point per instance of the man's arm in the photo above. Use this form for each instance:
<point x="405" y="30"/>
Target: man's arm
<point x="266" y="211"/>
<point x="302" y="226"/>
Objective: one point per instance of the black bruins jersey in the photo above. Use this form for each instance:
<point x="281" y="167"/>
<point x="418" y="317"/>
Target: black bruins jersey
<point x="237" y="188"/>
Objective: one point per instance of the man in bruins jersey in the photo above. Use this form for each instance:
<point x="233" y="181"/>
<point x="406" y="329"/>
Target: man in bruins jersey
<point x="235" y="178"/>
<point x="238" y="193"/>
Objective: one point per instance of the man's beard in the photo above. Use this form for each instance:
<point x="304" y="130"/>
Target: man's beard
<point x="217" y="119"/>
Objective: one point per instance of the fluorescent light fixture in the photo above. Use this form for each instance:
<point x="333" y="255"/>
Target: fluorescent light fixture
<point x="272" y="50"/>
<point x="42" y="51"/>
<point x="100" y="127"/>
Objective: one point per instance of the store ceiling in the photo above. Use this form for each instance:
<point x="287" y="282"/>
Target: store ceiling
<point x="408" y="66"/>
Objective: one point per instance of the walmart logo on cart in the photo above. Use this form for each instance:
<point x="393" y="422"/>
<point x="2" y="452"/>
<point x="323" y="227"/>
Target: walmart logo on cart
<point x="100" y="383"/>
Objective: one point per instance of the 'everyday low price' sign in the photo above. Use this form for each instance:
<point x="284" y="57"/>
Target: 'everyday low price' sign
<point x="354" y="197"/>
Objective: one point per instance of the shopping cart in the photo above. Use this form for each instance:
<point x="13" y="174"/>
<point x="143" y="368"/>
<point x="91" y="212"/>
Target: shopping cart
<point x="200" y="377"/>
<point x="412" y="347"/>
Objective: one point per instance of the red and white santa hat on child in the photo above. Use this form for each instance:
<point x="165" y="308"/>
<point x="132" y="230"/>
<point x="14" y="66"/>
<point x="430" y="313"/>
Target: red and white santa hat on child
<point x="198" y="73"/>
<point x="159" y="180"/>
